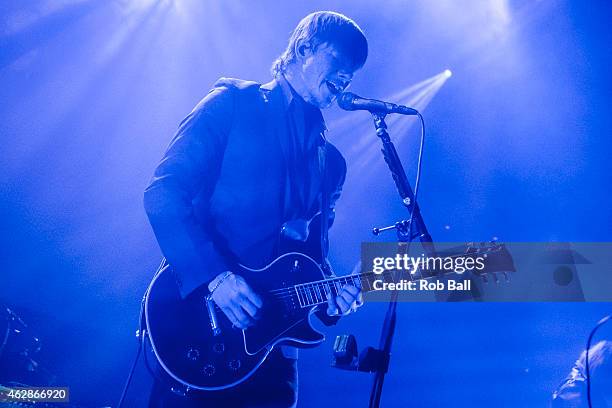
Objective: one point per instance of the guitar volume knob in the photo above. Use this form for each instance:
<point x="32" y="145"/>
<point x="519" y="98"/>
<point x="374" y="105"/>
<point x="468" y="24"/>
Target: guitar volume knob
<point x="193" y="354"/>
<point x="219" y="348"/>
<point x="234" y="364"/>
<point x="209" y="370"/>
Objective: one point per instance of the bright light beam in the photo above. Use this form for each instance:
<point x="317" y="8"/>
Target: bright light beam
<point x="418" y="96"/>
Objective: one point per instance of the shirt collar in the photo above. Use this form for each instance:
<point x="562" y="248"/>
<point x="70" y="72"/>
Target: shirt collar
<point x="291" y="96"/>
<point x="289" y="93"/>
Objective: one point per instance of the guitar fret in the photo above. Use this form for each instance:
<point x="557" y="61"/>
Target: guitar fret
<point x="369" y="284"/>
<point x="303" y="289"/>
<point x="298" y="296"/>
<point x="320" y="293"/>
<point x="327" y="288"/>
<point x="313" y="288"/>
<point x="308" y="294"/>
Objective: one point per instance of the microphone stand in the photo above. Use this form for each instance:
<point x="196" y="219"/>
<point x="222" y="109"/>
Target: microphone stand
<point x="406" y="230"/>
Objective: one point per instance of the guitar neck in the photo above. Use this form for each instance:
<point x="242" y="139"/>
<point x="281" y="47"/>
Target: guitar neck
<point x="495" y="258"/>
<point x="318" y="292"/>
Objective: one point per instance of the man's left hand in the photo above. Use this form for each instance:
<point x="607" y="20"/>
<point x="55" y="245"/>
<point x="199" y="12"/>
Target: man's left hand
<point x="349" y="299"/>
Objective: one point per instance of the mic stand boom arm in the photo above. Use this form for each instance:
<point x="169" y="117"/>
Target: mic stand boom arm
<point x="405" y="235"/>
<point x="403" y="188"/>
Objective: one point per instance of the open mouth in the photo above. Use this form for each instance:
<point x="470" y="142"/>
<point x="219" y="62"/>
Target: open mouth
<point x="333" y="88"/>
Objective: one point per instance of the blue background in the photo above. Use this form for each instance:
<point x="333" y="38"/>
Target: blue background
<point x="517" y="147"/>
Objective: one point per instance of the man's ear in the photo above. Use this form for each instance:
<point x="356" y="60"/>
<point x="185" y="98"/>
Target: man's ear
<point x="302" y="48"/>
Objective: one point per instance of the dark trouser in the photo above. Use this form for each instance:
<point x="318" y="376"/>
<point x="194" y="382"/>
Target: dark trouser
<point x="274" y="385"/>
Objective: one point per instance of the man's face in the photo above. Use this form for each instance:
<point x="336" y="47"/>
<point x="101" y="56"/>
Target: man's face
<point x="325" y="74"/>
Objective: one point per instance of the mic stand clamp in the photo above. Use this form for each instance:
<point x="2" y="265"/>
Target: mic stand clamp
<point x="402" y="230"/>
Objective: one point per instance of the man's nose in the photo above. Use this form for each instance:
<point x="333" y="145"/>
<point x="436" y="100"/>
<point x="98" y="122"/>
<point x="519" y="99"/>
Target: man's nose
<point x="345" y="79"/>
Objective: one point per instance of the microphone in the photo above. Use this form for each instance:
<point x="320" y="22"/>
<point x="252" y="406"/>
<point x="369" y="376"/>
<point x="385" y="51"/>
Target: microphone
<point x="350" y="102"/>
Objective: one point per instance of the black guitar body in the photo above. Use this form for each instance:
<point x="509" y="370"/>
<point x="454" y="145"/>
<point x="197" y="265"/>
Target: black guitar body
<point x="196" y="346"/>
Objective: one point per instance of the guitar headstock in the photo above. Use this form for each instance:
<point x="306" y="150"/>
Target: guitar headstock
<point x="498" y="260"/>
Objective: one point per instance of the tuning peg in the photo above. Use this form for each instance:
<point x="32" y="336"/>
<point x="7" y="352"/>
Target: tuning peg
<point x="494" y="244"/>
<point x="470" y="248"/>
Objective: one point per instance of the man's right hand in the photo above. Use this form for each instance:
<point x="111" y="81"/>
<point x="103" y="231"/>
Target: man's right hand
<point x="238" y="301"/>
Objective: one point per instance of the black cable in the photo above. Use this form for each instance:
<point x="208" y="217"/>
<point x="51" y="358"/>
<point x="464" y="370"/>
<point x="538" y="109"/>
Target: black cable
<point x="588" y="347"/>
<point x="141" y="337"/>
<point x="129" y="379"/>
<point x="417" y="180"/>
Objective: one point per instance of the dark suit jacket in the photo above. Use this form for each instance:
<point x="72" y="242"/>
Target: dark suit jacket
<point x="218" y="195"/>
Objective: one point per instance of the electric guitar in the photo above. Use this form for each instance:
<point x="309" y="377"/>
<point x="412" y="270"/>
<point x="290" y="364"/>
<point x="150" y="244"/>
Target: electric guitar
<point x="197" y="348"/>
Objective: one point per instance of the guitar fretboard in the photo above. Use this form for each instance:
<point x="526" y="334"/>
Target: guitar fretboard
<point x="318" y="292"/>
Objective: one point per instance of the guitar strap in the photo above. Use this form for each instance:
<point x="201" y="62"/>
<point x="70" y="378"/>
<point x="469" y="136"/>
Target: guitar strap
<point x="325" y="211"/>
<point x="325" y="215"/>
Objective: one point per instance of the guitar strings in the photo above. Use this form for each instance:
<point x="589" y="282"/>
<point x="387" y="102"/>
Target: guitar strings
<point x="478" y="252"/>
<point x="311" y="292"/>
<point x="324" y="287"/>
<point x="306" y="291"/>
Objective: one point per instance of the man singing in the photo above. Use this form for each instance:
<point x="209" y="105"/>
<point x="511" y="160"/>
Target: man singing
<point x="248" y="170"/>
